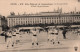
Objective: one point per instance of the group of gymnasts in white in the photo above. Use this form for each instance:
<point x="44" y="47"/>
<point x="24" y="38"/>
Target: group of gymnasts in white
<point x="52" y="35"/>
<point x="13" y="36"/>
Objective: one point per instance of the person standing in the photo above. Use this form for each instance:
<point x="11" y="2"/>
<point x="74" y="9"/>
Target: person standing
<point x="9" y="39"/>
<point x="5" y="33"/>
<point x="14" y="37"/>
<point x="34" y="36"/>
<point x="17" y="36"/>
<point x="50" y="34"/>
<point x="64" y="33"/>
<point x="56" y="33"/>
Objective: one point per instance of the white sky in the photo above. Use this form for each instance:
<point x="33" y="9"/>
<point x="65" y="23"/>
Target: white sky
<point x="6" y="8"/>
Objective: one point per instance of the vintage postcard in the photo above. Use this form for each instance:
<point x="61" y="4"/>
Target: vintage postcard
<point x="39" y="25"/>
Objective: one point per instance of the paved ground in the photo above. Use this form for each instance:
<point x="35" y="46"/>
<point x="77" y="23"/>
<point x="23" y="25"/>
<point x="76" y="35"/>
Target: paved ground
<point x="66" y="45"/>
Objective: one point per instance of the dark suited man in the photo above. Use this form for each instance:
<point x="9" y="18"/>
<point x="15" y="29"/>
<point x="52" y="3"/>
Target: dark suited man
<point x="64" y="33"/>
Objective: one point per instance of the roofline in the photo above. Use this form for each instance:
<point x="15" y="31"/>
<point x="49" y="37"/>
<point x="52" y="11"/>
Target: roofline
<point x="60" y="15"/>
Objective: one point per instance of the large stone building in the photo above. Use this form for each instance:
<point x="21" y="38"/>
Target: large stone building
<point x="56" y="17"/>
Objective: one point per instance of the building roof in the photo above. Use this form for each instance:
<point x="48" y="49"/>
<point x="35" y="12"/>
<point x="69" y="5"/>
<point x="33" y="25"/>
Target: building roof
<point x="44" y="14"/>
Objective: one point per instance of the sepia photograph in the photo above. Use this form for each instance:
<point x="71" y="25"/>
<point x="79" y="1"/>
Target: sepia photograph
<point x="39" y="25"/>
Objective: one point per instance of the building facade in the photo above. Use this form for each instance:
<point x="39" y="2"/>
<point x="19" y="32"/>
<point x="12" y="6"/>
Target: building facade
<point x="43" y="18"/>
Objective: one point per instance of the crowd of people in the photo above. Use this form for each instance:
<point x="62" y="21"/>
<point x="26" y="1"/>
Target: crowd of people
<point x="12" y="36"/>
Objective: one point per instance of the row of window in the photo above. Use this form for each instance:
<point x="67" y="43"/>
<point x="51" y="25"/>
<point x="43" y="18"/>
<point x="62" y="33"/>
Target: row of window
<point x="27" y="21"/>
<point x="15" y="19"/>
<point x="20" y="21"/>
<point x="37" y="22"/>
